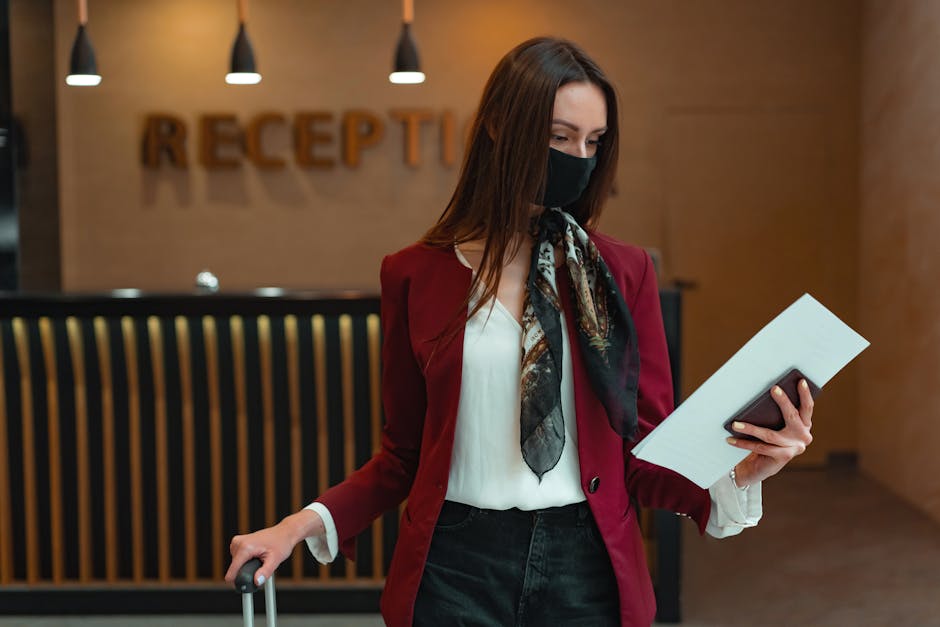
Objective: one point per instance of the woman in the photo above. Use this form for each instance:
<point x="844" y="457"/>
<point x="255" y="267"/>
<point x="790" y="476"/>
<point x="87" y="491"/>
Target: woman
<point x="524" y="354"/>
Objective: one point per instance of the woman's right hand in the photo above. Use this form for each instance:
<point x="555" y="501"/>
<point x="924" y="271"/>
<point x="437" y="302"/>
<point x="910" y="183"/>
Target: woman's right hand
<point x="272" y="545"/>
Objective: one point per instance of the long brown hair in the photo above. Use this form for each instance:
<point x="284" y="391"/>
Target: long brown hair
<point x="504" y="167"/>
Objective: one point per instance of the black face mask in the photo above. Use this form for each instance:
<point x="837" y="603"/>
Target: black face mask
<point x="567" y="178"/>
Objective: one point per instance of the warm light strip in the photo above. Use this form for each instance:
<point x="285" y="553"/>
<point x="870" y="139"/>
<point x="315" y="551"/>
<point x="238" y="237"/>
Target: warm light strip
<point x="241" y="421"/>
<point x="349" y="407"/>
<point x="408" y="11"/>
<point x="47" y="340"/>
<point x="135" y="453"/>
<point x="83" y="473"/>
<point x="21" y="338"/>
<point x="296" y="431"/>
<point x="373" y="331"/>
<point x="108" y="450"/>
<point x="267" y="406"/>
<point x="219" y="542"/>
<point x="189" y="446"/>
<point x="242" y="11"/>
<point x="82" y="12"/>
<point x="155" y="331"/>
<point x="323" y="450"/>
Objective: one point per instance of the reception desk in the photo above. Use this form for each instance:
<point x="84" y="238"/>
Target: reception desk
<point x="139" y="432"/>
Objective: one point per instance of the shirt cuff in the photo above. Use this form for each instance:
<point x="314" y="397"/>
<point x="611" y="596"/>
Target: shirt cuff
<point x="323" y="547"/>
<point x="733" y="508"/>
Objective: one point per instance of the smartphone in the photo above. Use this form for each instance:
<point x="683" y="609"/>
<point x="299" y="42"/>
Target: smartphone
<point x="763" y="411"/>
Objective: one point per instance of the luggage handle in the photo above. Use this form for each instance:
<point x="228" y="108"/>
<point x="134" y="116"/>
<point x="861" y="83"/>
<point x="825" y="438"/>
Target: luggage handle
<point x="245" y="583"/>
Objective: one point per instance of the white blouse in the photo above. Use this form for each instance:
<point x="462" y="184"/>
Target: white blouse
<point x="487" y="469"/>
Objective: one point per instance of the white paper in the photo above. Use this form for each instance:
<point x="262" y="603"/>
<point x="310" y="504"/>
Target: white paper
<point x="691" y="440"/>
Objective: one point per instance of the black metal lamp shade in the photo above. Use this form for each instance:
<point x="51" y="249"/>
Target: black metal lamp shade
<point x="242" y="69"/>
<point x="83" y="68"/>
<point x="407" y="67"/>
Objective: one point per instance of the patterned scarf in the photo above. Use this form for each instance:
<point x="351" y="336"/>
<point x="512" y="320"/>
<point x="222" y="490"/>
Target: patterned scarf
<point x="606" y="336"/>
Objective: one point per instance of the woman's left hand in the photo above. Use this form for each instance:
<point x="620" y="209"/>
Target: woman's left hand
<point x="774" y="449"/>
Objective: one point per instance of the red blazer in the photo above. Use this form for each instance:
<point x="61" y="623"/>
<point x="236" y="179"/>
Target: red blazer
<point x="422" y="288"/>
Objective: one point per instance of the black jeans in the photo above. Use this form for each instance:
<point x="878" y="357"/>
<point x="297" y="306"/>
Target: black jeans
<point x="513" y="568"/>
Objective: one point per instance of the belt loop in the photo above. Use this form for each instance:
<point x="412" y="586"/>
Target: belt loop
<point x="584" y="510"/>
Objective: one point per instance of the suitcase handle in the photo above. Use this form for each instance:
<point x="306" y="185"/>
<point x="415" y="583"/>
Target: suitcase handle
<point x="245" y="579"/>
<point x="245" y="583"/>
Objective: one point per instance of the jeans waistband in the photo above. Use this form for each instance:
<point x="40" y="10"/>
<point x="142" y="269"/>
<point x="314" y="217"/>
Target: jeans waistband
<point x="574" y="512"/>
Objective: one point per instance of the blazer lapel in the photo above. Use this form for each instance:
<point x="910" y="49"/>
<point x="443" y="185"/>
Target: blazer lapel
<point x="439" y="286"/>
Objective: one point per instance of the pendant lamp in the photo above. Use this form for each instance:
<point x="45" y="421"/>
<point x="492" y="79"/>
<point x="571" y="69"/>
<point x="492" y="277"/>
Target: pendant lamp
<point x="242" y="70"/>
<point x="407" y="69"/>
<point x="83" y="70"/>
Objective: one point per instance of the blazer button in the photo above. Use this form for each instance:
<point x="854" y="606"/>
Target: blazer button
<point x="595" y="482"/>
